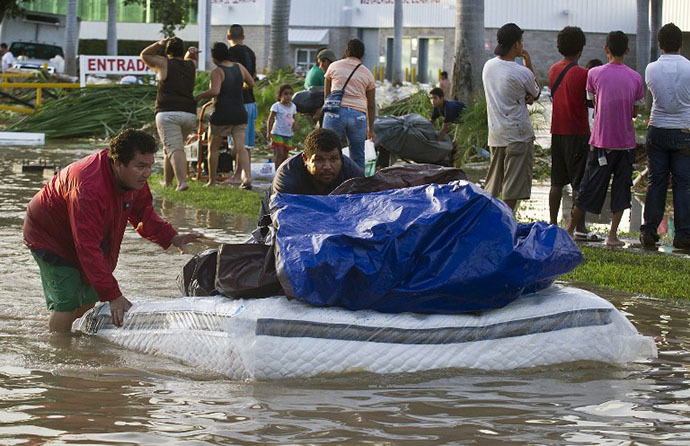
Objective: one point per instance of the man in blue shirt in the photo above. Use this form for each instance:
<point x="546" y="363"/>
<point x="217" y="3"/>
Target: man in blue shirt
<point x="449" y="110"/>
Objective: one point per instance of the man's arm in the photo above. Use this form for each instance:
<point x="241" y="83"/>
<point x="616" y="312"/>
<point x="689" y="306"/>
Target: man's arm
<point x="371" y="113"/>
<point x="214" y="85"/>
<point x="158" y="64"/>
<point x="532" y="88"/>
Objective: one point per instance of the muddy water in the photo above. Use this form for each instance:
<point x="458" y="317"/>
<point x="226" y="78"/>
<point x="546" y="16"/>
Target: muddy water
<point x="80" y="390"/>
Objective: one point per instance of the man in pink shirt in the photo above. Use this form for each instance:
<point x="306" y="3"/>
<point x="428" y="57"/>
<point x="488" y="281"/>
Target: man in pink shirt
<point x="617" y="91"/>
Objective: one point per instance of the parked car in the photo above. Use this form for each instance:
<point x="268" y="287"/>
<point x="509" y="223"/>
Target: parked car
<point x="36" y="56"/>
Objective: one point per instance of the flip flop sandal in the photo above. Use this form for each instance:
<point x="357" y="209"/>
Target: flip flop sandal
<point x="588" y="237"/>
<point x="246" y="186"/>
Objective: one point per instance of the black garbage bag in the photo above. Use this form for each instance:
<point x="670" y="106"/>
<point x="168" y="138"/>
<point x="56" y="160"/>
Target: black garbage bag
<point x="247" y="271"/>
<point x="412" y="137"/>
<point x="198" y="275"/>
<point x="309" y="100"/>
<point x="398" y="177"/>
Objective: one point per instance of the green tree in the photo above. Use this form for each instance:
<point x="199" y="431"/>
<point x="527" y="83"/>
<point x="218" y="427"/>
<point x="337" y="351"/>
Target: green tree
<point x="171" y="13"/>
<point x="10" y="8"/>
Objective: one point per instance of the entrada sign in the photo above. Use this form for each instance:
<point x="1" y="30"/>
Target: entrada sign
<point x="111" y="65"/>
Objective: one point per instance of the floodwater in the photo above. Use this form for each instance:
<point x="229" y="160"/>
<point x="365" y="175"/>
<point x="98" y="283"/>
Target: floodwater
<point x="82" y="390"/>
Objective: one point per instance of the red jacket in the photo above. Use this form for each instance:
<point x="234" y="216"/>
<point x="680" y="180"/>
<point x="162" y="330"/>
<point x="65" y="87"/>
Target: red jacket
<point x="81" y="215"/>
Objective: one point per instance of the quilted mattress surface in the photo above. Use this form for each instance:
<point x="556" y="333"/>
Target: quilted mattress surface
<point x="273" y="338"/>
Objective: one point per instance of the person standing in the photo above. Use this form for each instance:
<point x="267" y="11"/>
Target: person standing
<point x="229" y="116"/>
<point x="315" y="76"/>
<point x="175" y="104"/>
<point x="668" y="140"/>
<point x="509" y="88"/>
<point x="617" y="91"/>
<point x="281" y="125"/>
<point x="74" y="227"/>
<point x="235" y="38"/>
<point x="357" y="111"/>
<point x="569" y="124"/>
<point x="444" y="84"/>
<point x="7" y="57"/>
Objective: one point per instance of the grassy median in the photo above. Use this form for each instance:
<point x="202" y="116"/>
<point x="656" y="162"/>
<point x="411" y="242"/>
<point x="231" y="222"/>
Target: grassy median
<point x="226" y="199"/>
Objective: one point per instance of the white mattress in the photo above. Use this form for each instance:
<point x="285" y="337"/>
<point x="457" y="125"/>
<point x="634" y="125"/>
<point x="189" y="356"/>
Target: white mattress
<point x="275" y="338"/>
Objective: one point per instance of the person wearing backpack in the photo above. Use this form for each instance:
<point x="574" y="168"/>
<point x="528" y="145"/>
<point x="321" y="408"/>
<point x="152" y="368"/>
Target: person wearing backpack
<point x="569" y="124"/>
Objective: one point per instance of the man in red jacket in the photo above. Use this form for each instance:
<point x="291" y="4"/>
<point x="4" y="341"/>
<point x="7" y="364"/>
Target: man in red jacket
<point x="75" y="224"/>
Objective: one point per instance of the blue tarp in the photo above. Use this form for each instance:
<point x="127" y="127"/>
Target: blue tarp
<point x="447" y="248"/>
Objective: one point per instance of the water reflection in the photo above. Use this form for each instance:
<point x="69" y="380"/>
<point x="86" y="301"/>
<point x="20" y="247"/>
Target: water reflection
<point x="81" y="390"/>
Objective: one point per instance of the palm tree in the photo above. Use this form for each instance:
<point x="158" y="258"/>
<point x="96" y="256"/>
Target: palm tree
<point x="657" y="9"/>
<point x="280" y="21"/>
<point x="642" y="37"/>
<point x="469" y="48"/>
<point x="71" y="38"/>
<point x="397" y="42"/>
<point x="112" y="28"/>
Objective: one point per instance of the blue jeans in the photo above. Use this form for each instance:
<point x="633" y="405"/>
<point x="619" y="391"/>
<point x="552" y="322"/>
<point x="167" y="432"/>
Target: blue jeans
<point x="668" y="152"/>
<point x="353" y="124"/>
<point x="251" y="121"/>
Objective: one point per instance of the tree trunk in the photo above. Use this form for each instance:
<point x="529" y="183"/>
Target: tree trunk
<point x="469" y="49"/>
<point x="112" y="28"/>
<point x="204" y="34"/>
<point x="657" y="6"/>
<point x="71" y="38"/>
<point x="280" y="22"/>
<point x="642" y="38"/>
<point x="397" y="42"/>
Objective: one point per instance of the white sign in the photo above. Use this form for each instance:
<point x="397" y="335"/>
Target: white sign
<point x="111" y="65"/>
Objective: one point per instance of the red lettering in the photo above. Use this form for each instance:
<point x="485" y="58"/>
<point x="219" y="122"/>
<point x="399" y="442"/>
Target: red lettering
<point x="92" y="65"/>
<point x="120" y="65"/>
<point x="130" y="65"/>
<point x="100" y="65"/>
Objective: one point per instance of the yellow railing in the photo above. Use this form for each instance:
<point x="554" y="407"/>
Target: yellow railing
<point x="39" y="86"/>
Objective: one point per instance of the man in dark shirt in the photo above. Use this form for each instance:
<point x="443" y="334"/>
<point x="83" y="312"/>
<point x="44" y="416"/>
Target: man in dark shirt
<point x="235" y="38"/>
<point x="449" y="110"/>
<point x="319" y="169"/>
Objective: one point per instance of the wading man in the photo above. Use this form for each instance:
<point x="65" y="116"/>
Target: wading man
<point x="75" y="224"/>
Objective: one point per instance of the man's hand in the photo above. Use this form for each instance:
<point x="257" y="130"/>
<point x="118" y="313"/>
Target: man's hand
<point x="529" y="99"/>
<point x="118" y="307"/>
<point x="370" y="134"/>
<point x="182" y="239"/>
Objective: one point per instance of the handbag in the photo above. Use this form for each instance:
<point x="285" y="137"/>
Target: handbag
<point x="333" y="100"/>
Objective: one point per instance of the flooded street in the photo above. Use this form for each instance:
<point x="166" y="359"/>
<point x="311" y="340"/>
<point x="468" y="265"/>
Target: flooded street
<point x="82" y="390"/>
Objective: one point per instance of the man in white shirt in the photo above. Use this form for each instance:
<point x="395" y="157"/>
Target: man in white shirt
<point x="668" y="140"/>
<point x="509" y="87"/>
<point x="7" y="57"/>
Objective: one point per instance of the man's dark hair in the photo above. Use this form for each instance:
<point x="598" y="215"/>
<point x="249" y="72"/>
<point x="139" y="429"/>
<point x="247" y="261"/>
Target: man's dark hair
<point x="354" y="48"/>
<point x="570" y="41"/>
<point x="437" y="92"/>
<point x="219" y="51"/>
<point x="444" y="75"/>
<point x="126" y="144"/>
<point x="617" y="42"/>
<point x="670" y="38"/>
<point x="322" y="139"/>
<point x="3" y="45"/>
<point x="236" y="31"/>
<point x="174" y="47"/>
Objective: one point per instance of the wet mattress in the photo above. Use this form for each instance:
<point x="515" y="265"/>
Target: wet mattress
<point x="273" y="338"/>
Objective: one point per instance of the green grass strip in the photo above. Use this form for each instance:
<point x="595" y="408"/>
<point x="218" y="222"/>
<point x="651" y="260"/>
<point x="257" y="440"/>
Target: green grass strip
<point x="650" y="274"/>
<point x="224" y="199"/>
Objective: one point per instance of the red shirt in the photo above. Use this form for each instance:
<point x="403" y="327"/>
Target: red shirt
<point x="569" y="116"/>
<point x="81" y="215"/>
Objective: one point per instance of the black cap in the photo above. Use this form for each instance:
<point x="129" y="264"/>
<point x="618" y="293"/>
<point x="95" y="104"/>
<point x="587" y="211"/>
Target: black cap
<point x="506" y="36"/>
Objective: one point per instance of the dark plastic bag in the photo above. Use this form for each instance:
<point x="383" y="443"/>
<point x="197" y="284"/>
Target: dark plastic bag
<point x="309" y="100"/>
<point x="198" y="275"/>
<point x="246" y="271"/>
<point x="429" y="249"/>
<point x="413" y="138"/>
<point x="398" y="177"/>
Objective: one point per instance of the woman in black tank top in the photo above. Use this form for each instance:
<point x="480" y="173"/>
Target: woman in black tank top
<point x="227" y="80"/>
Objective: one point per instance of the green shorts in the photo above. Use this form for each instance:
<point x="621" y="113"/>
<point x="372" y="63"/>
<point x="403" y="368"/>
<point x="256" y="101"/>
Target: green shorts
<point x="63" y="288"/>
